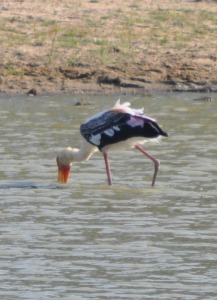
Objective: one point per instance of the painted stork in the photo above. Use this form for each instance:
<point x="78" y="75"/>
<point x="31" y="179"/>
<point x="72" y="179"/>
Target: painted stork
<point x="120" y="127"/>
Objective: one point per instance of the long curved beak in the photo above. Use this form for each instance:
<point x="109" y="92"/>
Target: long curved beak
<point x="63" y="172"/>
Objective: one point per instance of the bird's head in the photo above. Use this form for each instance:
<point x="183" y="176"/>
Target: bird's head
<point x="64" y="163"/>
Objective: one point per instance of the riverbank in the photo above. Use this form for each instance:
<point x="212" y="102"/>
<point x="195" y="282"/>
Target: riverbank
<point x="93" y="47"/>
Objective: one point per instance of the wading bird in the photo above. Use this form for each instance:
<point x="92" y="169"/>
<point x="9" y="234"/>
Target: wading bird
<point x="118" y="128"/>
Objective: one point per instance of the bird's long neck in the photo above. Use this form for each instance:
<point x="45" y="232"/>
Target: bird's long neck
<point x="84" y="153"/>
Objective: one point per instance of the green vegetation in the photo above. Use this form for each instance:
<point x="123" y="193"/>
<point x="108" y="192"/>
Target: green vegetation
<point x="117" y="36"/>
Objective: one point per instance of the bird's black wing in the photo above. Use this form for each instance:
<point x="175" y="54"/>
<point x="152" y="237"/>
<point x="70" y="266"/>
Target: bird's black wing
<point x="114" y="126"/>
<point x="100" y="129"/>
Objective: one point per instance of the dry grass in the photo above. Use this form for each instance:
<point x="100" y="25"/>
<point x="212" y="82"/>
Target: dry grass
<point x="105" y="33"/>
<point x="92" y="32"/>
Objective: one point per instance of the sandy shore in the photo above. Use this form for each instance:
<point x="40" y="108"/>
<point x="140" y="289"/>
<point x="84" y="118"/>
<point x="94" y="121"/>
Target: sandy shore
<point x="107" y="47"/>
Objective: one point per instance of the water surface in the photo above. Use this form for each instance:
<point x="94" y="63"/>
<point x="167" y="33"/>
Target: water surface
<point x="86" y="240"/>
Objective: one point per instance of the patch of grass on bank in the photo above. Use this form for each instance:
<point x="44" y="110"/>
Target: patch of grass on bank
<point x="179" y="27"/>
<point x="117" y="37"/>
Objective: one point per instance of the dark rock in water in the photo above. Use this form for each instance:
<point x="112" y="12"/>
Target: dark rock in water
<point x="78" y="103"/>
<point x="205" y="98"/>
<point x="81" y="103"/>
<point x="32" y="92"/>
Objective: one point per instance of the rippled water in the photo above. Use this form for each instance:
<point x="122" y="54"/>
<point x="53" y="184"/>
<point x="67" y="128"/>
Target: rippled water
<point x="86" y="240"/>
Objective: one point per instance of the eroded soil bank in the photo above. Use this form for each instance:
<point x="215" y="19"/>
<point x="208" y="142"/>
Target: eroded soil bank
<point x="107" y="47"/>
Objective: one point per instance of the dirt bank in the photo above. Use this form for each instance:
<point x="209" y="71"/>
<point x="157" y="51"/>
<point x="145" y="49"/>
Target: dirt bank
<point x="95" y="46"/>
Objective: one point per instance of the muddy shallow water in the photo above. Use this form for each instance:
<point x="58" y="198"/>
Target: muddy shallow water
<point x="85" y="240"/>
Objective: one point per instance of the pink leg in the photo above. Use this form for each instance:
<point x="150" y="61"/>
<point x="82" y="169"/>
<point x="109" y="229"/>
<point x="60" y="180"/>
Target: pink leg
<point x="155" y="161"/>
<point x="107" y="165"/>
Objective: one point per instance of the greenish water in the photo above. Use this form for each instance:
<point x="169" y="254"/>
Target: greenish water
<point x="85" y="240"/>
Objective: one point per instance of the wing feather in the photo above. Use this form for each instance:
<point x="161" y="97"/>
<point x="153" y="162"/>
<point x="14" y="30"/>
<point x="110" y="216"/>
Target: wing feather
<point x="119" y="124"/>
